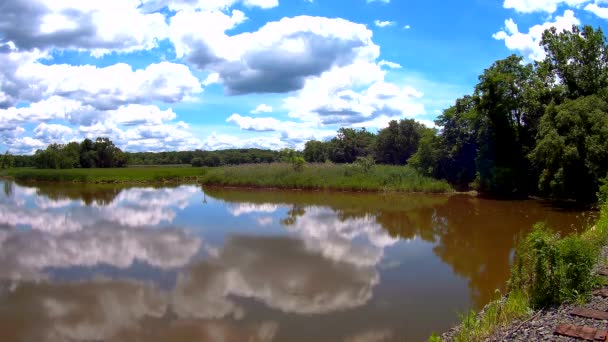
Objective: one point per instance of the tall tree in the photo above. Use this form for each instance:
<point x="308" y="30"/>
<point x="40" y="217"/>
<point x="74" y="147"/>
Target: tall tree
<point x="397" y="142"/>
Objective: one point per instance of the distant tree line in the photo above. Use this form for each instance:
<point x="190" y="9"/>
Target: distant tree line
<point x="100" y="153"/>
<point x="206" y="158"/>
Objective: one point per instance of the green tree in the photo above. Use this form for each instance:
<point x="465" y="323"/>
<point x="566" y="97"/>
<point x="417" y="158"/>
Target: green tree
<point x="397" y="142"/>
<point x="349" y="144"/>
<point x="501" y="163"/>
<point x="316" y="151"/>
<point x="577" y="59"/>
<point x="572" y="151"/>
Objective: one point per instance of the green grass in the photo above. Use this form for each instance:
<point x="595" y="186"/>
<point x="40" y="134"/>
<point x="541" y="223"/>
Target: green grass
<point x="497" y="314"/>
<point x="324" y="177"/>
<point x="278" y="175"/>
<point x="114" y="175"/>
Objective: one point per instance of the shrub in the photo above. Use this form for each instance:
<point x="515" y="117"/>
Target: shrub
<point x="553" y="270"/>
<point x="364" y="164"/>
<point x="298" y="163"/>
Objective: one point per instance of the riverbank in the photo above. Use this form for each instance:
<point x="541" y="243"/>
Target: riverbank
<point x="278" y="176"/>
<point x="546" y="295"/>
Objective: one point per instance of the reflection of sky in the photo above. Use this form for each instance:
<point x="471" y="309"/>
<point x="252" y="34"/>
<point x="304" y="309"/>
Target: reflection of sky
<point x="149" y="254"/>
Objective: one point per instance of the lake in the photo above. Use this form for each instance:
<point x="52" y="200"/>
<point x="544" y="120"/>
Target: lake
<point x="107" y="263"/>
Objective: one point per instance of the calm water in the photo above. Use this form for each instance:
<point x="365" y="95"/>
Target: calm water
<point x="82" y="263"/>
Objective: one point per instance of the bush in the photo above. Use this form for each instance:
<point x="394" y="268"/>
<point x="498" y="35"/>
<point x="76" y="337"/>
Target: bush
<point x="553" y="270"/>
<point x="602" y="194"/>
<point x="298" y="163"/>
<point x="364" y="164"/>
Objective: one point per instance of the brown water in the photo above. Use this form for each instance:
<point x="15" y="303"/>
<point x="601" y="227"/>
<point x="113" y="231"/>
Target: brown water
<point x="84" y="263"/>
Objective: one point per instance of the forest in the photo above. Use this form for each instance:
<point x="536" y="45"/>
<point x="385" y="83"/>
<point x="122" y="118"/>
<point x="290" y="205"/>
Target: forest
<point x="526" y="129"/>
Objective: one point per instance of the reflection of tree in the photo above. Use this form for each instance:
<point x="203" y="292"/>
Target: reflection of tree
<point x="8" y="188"/>
<point x="100" y="194"/>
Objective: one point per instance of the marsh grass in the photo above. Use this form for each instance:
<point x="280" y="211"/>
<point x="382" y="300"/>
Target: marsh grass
<point x="110" y="175"/>
<point x="324" y="177"/>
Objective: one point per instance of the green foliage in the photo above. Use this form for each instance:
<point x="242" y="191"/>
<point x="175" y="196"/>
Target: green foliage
<point x="324" y="177"/>
<point x="316" y="151"/>
<point x="572" y="148"/>
<point x="297" y="163"/>
<point x="101" y="153"/>
<point x="349" y="144"/>
<point x="553" y="270"/>
<point x="497" y="314"/>
<point x="602" y="194"/>
<point x="7" y="160"/>
<point x="364" y="164"/>
<point x="397" y="142"/>
<point x="197" y="162"/>
<point x="434" y="338"/>
<point x="108" y="175"/>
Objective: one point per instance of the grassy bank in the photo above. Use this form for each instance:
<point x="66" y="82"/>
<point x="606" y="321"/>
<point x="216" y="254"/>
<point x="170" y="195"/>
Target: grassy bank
<point x="112" y="175"/>
<point x="548" y="270"/>
<point x="324" y="177"/>
<point x="277" y="175"/>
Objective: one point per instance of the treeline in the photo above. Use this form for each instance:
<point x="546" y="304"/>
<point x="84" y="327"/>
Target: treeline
<point x="206" y="158"/>
<point x="101" y="153"/>
<point x="538" y="128"/>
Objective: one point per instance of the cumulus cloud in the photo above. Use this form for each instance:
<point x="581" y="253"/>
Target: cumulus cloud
<point x="101" y="27"/>
<point x="528" y="43"/>
<point x="549" y="6"/>
<point x="277" y="58"/>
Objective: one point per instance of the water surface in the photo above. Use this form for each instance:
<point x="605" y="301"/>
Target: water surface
<point x="105" y="263"/>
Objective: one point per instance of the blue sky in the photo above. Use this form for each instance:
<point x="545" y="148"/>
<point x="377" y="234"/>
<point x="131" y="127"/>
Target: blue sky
<point x="157" y="75"/>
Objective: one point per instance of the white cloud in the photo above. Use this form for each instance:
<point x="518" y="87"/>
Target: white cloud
<point x="53" y="133"/>
<point x="391" y="65"/>
<point x="549" y="6"/>
<point x="277" y="58"/>
<point x="407" y="27"/>
<point x="254" y="124"/>
<point x="262" y="108"/>
<point x="99" y="27"/>
<point x="601" y="12"/>
<point x="382" y="1"/>
<point x="528" y="44"/>
<point x="262" y="3"/>
<point x="380" y="23"/>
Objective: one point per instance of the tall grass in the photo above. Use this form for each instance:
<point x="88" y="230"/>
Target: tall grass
<point x="324" y="177"/>
<point x="113" y="175"/>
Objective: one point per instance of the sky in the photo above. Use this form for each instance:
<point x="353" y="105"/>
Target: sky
<point x="166" y="75"/>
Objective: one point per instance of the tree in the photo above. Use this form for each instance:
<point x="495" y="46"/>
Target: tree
<point x="349" y="144"/>
<point x="577" y="59"/>
<point x="7" y="160"/>
<point x="500" y="162"/>
<point x="397" y="142"/>
<point x="316" y="151"/>
<point x="572" y="151"/>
